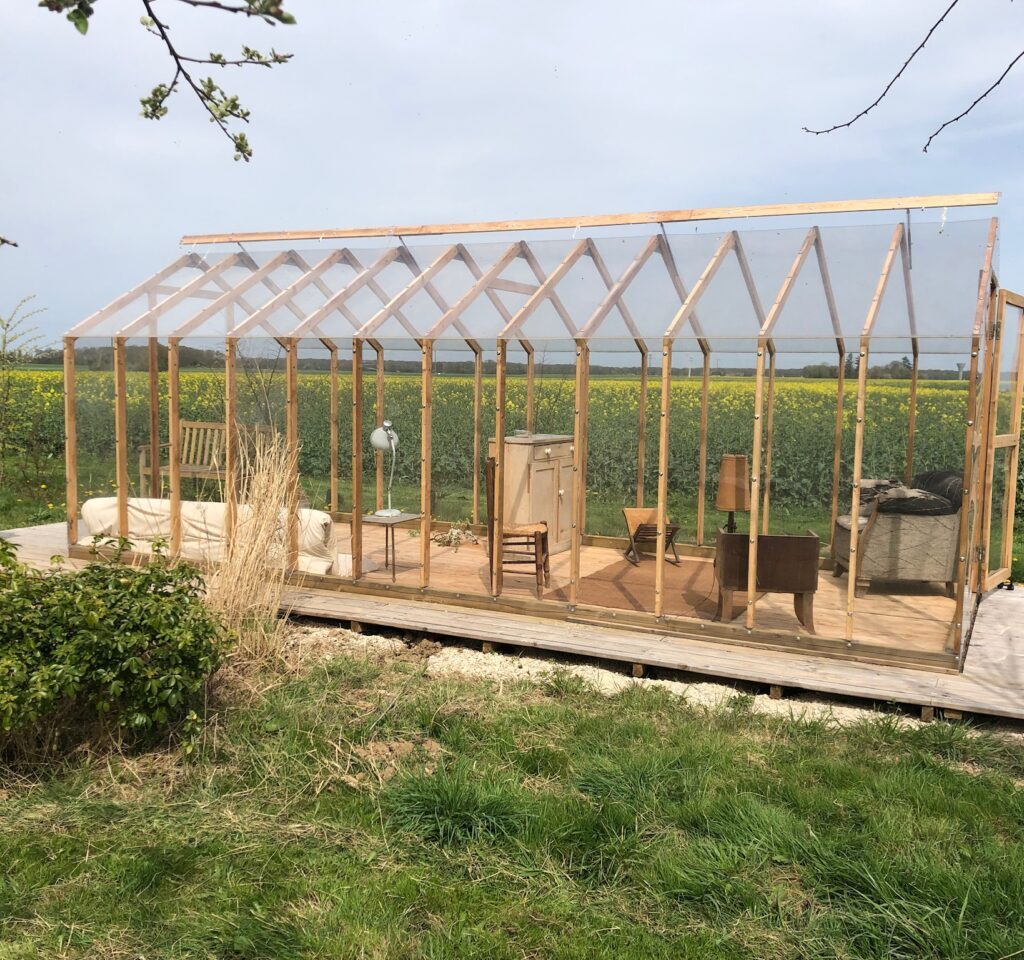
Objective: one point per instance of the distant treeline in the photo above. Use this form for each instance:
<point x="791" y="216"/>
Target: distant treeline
<point x="137" y="359"/>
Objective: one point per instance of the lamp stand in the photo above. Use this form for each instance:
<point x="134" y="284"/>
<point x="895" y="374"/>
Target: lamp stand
<point x="389" y="511"/>
<point x="730" y="523"/>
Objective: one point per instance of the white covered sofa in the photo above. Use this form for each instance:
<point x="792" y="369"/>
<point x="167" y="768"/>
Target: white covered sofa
<point x="202" y="530"/>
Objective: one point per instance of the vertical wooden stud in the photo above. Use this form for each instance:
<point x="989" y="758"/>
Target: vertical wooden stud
<point x="579" y="466"/>
<point x="666" y="404"/>
<point x="478" y="382"/>
<point x="70" y="441"/>
<point x="154" y="417"/>
<point x="768" y="441"/>
<point x="292" y="439"/>
<point x="231" y="445"/>
<point x="755" y="482"/>
<point x="174" y="439"/>
<point x="531" y="366"/>
<point x="334" y="430"/>
<point x="356" y="528"/>
<point x="426" y="436"/>
<point x="378" y="456"/>
<point x="121" y="432"/>
<point x="500" y="376"/>
<point x="908" y="471"/>
<point x="641" y="431"/>
<point x="702" y="453"/>
<point x="858" y="458"/>
<point x="837" y="443"/>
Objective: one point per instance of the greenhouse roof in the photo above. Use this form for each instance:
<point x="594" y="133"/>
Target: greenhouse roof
<point x="712" y="277"/>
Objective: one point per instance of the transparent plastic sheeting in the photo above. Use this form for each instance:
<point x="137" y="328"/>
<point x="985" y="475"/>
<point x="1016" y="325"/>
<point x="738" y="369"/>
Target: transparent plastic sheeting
<point x="450" y="292"/>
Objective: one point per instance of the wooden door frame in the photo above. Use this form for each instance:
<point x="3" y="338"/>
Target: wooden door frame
<point x="1005" y="441"/>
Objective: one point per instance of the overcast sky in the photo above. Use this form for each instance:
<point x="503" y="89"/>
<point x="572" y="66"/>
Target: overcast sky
<point x="433" y="111"/>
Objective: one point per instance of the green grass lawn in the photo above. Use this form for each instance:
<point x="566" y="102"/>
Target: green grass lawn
<point x="360" y="809"/>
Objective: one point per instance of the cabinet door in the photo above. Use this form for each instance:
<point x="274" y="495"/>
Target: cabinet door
<point x="563" y="499"/>
<point x="543" y="494"/>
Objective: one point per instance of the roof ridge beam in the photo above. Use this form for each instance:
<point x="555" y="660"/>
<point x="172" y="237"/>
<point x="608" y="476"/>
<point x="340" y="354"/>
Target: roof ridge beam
<point x="868" y="205"/>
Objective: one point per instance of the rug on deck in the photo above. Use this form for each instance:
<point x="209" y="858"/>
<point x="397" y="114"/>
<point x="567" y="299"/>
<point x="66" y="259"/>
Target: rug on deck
<point x="690" y="588"/>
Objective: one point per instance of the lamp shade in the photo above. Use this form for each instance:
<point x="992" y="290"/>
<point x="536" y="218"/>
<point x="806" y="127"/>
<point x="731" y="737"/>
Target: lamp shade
<point x="733" y="483"/>
<point x="384" y="438"/>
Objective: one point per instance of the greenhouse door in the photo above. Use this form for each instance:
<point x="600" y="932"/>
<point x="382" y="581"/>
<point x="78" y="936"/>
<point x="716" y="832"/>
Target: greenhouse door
<point x="1006" y="353"/>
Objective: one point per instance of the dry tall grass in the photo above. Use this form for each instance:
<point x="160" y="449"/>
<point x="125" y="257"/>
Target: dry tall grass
<point x="247" y="586"/>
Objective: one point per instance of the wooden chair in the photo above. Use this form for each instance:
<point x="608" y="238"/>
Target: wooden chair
<point x="785" y="564"/>
<point x="522" y="544"/>
<point x="642" y="526"/>
<point x="201" y="449"/>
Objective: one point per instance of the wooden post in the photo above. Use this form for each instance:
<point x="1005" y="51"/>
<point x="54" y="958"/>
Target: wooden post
<point x="702" y="454"/>
<point x="174" y="439"/>
<point x="530" y="370"/>
<point x="968" y="523"/>
<point x="292" y="438"/>
<point x="154" y="418"/>
<point x="70" y="441"/>
<point x="121" y="433"/>
<point x="837" y="444"/>
<point x="579" y="467"/>
<point x="356" y="528"/>
<point x="858" y="457"/>
<point x="426" y="435"/>
<point x="478" y="382"/>
<point x="641" y="439"/>
<point x="498" y="524"/>
<point x="378" y="456"/>
<point x="231" y="447"/>
<point x="666" y="403"/>
<point x="334" y="431"/>
<point x="769" y="432"/>
<point x="755" y="485"/>
<point x="912" y="415"/>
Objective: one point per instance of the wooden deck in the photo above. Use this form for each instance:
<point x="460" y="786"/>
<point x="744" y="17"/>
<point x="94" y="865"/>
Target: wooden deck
<point x="913" y="619"/>
<point x="992" y="681"/>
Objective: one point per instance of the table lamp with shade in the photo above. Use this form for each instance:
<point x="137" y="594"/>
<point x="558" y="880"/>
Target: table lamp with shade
<point x="733" y="487"/>
<point x="385" y="439"/>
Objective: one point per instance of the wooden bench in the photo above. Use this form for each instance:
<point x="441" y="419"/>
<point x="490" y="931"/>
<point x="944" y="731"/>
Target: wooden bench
<point x="202" y="445"/>
<point x="785" y="564"/>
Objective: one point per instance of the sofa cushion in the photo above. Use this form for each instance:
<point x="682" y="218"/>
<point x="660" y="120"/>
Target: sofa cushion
<point x="944" y="483"/>
<point x="908" y="500"/>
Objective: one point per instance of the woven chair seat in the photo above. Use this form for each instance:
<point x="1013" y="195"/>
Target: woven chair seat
<point x="524" y="529"/>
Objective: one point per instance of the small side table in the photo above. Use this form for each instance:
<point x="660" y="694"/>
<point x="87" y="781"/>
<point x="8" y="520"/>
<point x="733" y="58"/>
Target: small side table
<point x="389" y="524"/>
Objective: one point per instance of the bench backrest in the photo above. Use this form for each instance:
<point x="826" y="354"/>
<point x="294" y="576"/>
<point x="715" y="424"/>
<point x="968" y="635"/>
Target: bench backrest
<point x="202" y="442"/>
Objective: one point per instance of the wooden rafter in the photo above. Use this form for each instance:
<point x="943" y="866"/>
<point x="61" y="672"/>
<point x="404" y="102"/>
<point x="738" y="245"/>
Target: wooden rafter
<point x="417" y="282"/>
<point x="150" y="283"/>
<point x="183" y="293"/>
<point x="231" y="295"/>
<point x="544" y="292"/>
<point x="483" y="283"/>
<point x="616" y="289"/>
<point x="700" y="287"/>
<point x="286" y="296"/>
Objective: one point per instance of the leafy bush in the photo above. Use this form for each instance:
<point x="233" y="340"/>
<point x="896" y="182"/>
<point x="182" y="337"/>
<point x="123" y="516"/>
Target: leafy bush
<point x="128" y="648"/>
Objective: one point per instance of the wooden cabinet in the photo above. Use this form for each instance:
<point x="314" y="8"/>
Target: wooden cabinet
<point x="539" y="483"/>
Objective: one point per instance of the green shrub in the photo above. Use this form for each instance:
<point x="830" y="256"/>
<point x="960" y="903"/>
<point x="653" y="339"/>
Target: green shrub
<point x="125" y="648"/>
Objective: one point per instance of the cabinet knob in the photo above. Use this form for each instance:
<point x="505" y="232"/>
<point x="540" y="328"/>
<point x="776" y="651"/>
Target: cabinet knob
<point x="561" y="493"/>
<point x="547" y="451"/>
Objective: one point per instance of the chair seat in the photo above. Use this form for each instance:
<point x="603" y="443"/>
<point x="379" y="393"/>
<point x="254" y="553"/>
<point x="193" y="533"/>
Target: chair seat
<point x="523" y="529"/>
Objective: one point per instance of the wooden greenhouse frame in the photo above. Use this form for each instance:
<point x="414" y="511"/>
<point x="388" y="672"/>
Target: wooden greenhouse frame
<point x="250" y="296"/>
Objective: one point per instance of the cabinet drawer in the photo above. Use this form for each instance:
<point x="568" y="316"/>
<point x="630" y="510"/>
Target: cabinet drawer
<point x="553" y="451"/>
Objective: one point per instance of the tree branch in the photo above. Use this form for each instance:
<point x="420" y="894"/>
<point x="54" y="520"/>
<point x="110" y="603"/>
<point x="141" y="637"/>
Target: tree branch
<point x="977" y="100"/>
<point x="888" y="86"/>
